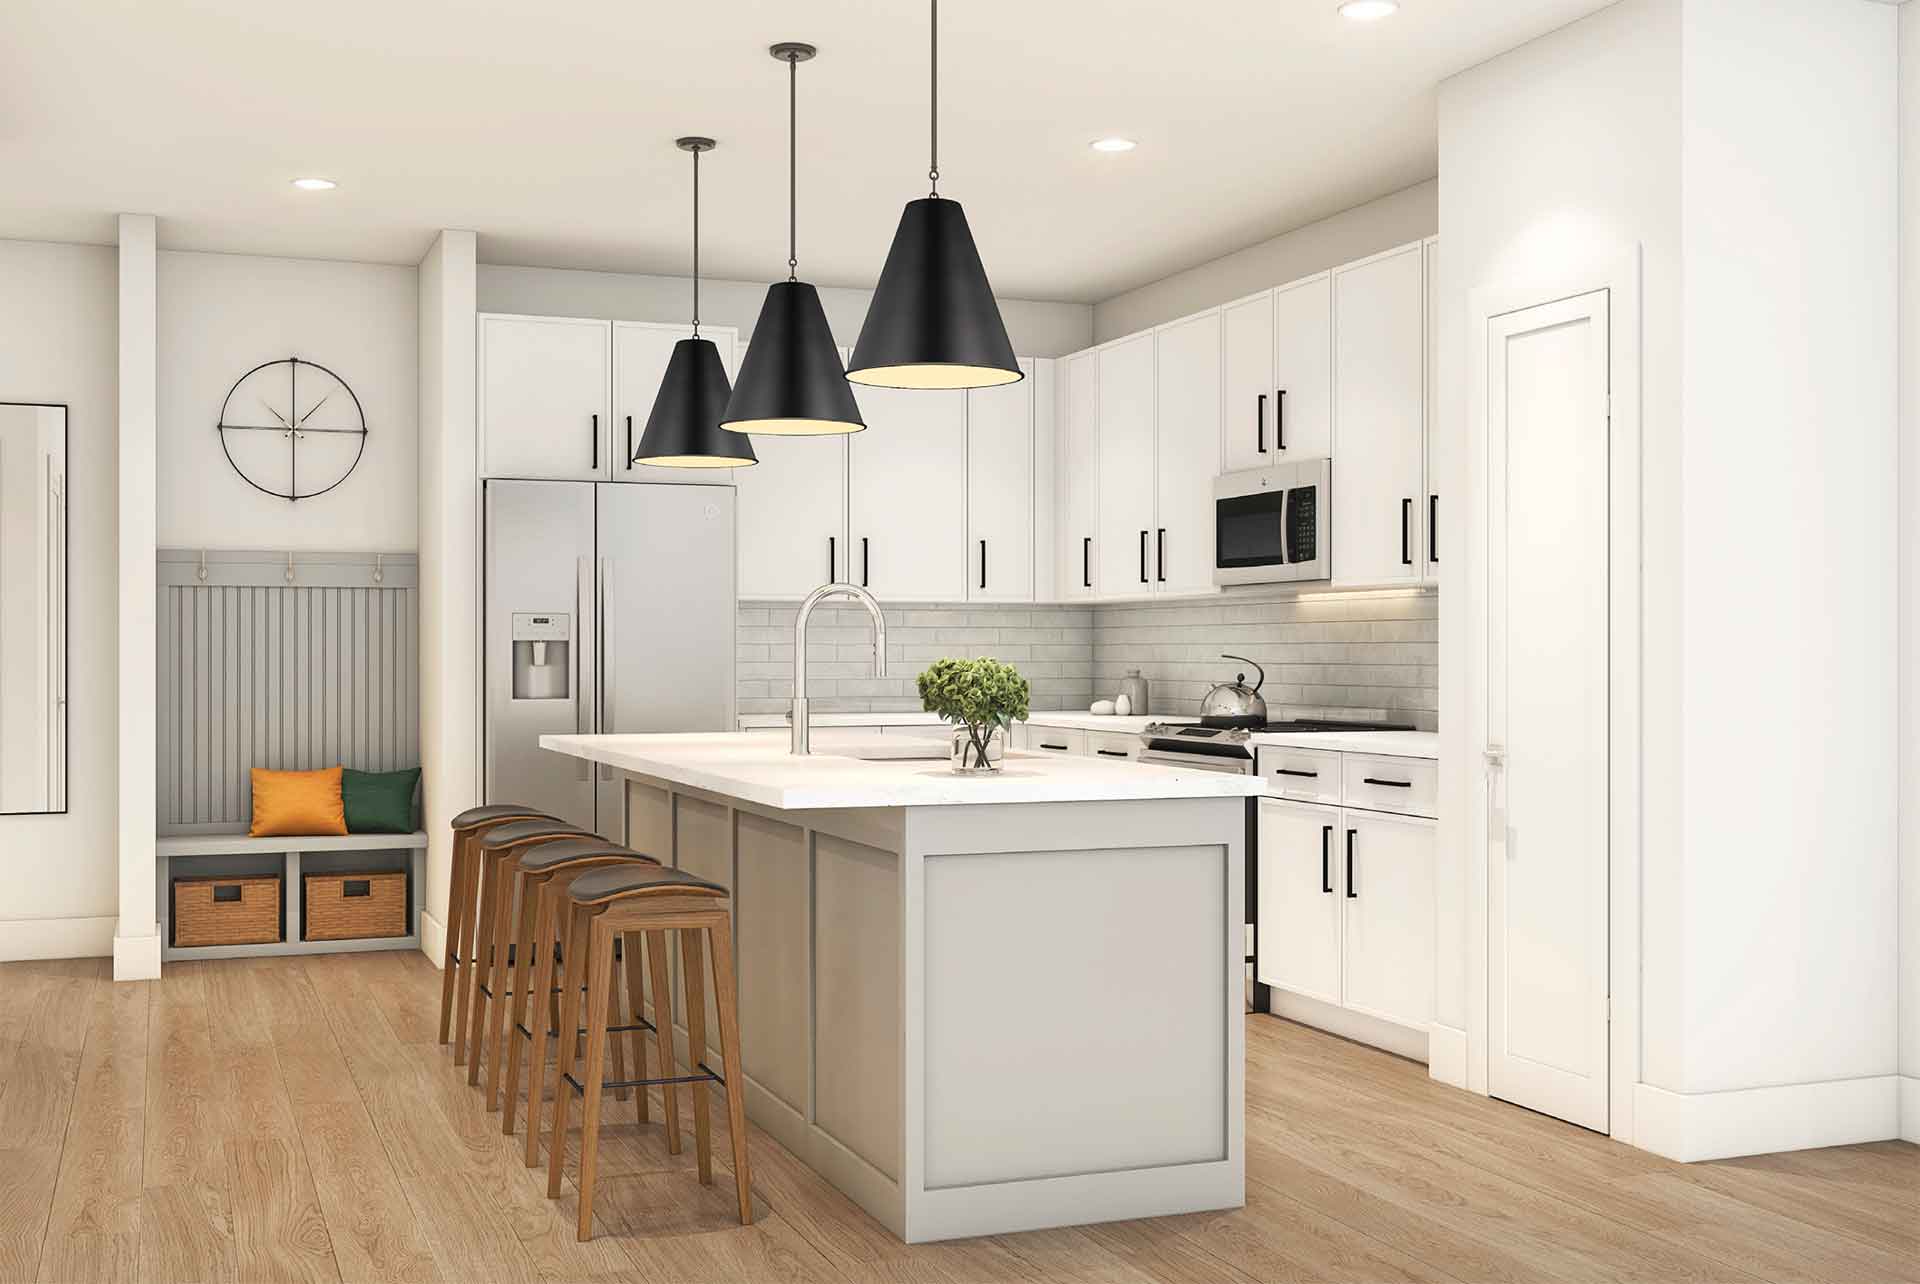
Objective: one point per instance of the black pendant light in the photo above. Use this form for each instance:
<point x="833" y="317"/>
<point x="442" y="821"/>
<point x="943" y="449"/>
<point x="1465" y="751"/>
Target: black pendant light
<point x="933" y="322"/>
<point x="684" y="429"/>
<point x="792" y="383"/>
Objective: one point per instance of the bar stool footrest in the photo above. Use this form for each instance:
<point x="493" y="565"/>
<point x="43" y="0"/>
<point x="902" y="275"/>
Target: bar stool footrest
<point x="705" y="1076"/>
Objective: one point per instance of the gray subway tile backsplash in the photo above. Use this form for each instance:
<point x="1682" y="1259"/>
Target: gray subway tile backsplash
<point x="1362" y="655"/>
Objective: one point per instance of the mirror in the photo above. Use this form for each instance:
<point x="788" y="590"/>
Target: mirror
<point x="33" y="608"/>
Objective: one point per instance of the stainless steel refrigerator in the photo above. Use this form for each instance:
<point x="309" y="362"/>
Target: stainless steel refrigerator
<point x="609" y="608"/>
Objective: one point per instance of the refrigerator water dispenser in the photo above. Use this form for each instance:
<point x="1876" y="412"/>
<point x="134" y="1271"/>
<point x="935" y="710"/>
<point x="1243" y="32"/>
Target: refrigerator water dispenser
<point x="541" y="662"/>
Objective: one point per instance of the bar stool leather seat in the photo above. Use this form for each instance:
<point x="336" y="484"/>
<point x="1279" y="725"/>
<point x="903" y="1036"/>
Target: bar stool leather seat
<point x="519" y="831"/>
<point x="491" y="811"/>
<point x="564" y="850"/>
<point x="629" y="880"/>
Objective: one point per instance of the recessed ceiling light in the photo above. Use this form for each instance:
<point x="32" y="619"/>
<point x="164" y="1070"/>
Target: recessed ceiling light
<point x="315" y="184"/>
<point x="1113" y="144"/>
<point x="1369" y="10"/>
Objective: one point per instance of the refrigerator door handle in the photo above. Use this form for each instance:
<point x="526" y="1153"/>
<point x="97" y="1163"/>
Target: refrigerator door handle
<point x="582" y="666"/>
<point x="603" y="613"/>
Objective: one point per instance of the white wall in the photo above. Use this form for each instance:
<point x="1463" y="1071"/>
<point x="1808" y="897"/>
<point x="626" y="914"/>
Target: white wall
<point x="1410" y="214"/>
<point x="1036" y="329"/>
<point x="1561" y="152"/>
<point x="1910" y="567"/>
<point x="449" y="558"/>
<point x="223" y="314"/>
<point x="1789" y="163"/>
<point x="58" y="344"/>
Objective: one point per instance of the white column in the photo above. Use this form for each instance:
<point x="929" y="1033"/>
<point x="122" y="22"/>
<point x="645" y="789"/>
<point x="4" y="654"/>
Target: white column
<point x="449" y="564"/>
<point x="136" y="943"/>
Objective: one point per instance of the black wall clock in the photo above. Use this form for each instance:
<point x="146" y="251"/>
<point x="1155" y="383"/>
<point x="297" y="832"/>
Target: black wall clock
<point x="292" y="429"/>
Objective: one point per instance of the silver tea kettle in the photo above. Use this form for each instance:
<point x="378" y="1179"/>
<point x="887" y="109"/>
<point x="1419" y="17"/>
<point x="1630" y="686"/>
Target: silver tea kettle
<point x="1235" y="704"/>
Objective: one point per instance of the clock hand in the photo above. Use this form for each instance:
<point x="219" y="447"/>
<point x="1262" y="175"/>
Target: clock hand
<point x="277" y="415"/>
<point x="316" y="406"/>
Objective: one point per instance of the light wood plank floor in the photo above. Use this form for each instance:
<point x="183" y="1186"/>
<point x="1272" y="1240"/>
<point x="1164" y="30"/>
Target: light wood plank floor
<point x="293" y="1119"/>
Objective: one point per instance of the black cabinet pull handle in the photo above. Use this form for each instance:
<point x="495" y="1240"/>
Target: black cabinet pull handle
<point x="596" y="443"/>
<point x="1160" y="555"/>
<point x="1289" y="771"/>
<point x="1111" y="753"/>
<point x="833" y="560"/>
<point x="983" y="563"/>
<point x="865" y="566"/>
<point x="1143" y="557"/>
<point x="1045" y="745"/>
<point x="1086" y="562"/>
<point x="1326" y="867"/>
<point x="1406" y="521"/>
<point x="1280" y="419"/>
<point x="1351" y="894"/>
<point x="1433" y="528"/>
<point x="629" y="443"/>
<point x="1395" y="784"/>
<point x="1260" y="424"/>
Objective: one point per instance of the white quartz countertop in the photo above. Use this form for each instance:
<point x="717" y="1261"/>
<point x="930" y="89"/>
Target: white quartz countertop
<point x="758" y="769"/>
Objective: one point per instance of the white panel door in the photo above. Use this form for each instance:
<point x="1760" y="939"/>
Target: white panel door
<point x="1379" y="381"/>
<point x="1386" y="879"/>
<point x="1187" y="454"/>
<point x="545" y="398"/>
<point x="792" y="515"/>
<point x="1547" y="568"/>
<point x="1000" y="490"/>
<point x="1123" y="565"/>
<point x="1079" y="476"/>
<point x="1435" y="445"/>
<point x="1247" y="400"/>
<point x="1303" y="370"/>
<point x="640" y="353"/>
<point x="1299" y="901"/>
<point x="907" y="495"/>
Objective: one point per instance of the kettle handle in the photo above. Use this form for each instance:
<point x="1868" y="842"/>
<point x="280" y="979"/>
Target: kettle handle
<point x="1257" y="682"/>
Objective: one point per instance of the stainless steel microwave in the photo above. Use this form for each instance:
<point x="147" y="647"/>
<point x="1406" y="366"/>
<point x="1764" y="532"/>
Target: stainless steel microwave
<point x="1274" y="525"/>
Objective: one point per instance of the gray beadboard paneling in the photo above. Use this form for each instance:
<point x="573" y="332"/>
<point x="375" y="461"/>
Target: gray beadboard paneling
<point x="1051" y="645"/>
<point x="1351" y="655"/>
<point x="255" y="671"/>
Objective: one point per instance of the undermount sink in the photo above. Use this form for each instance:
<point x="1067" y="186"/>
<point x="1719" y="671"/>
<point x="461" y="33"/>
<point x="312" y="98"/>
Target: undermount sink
<point x="901" y="749"/>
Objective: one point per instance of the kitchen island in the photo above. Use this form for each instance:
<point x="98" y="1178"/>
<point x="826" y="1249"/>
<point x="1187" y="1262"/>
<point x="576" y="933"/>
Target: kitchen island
<point x="974" y="1003"/>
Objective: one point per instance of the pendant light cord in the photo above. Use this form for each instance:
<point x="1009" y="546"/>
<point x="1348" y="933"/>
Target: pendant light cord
<point x="793" y="166"/>
<point x="933" y="146"/>
<point x="696" y="242"/>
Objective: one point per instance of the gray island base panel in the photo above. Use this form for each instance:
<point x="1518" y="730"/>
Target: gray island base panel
<point x="982" y="1019"/>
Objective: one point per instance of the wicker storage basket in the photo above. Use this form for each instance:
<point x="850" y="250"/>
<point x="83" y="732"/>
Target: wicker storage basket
<point x="226" y="911"/>
<point x="355" y="907"/>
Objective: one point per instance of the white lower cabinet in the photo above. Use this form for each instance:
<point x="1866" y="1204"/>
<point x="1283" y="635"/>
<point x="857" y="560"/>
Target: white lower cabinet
<point x="1346" y="909"/>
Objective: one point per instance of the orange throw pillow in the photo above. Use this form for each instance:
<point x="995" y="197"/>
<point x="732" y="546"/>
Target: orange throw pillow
<point x="294" y="803"/>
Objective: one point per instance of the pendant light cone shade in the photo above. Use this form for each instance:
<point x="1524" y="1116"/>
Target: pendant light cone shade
<point x="792" y="383"/>
<point x="933" y="322"/>
<point x="684" y="429"/>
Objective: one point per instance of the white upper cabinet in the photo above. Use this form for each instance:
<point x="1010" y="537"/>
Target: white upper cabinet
<point x="1122" y="553"/>
<point x="1303" y="370"/>
<point x="1187" y="454"/>
<point x="1078" y="475"/>
<point x="1379" y="385"/>
<point x="792" y="510"/>
<point x="640" y="353"/>
<point x="1000" y="490"/>
<point x="1248" y="401"/>
<point x="906" y="495"/>
<point x="544" y="398"/>
<point x="1436" y="445"/>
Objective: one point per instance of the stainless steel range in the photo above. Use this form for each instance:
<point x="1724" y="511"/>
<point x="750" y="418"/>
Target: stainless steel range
<point x="1203" y="747"/>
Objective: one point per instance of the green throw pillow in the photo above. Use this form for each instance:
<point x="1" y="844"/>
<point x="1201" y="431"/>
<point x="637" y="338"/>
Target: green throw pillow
<point x="379" y="802"/>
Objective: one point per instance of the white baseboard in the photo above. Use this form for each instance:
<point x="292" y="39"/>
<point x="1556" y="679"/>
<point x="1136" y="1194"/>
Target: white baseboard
<point x="1690" y="1126"/>
<point x="56" y="938"/>
<point x="136" y="958"/>
<point x="433" y="939"/>
<point x="1401" y="1040"/>
<point x="1910" y="1108"/>
<point x="1447" y="1055"/>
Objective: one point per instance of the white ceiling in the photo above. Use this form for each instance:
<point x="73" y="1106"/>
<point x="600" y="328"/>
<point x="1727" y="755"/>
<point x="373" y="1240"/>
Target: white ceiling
<point x="548" y="127"/>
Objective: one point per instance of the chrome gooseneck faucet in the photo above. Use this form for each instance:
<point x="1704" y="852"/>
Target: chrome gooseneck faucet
<point x="858" y="594"/>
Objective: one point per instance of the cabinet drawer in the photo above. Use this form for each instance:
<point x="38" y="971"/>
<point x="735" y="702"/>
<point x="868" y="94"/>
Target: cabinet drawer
<point x="1405" y="785"/>
<point x="1109" y="744"/>
<point x="1306" y="775"/>
<point x="1056" y="740"/>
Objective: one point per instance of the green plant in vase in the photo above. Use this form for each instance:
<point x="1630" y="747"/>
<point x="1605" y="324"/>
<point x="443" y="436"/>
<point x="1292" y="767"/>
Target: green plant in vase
<point x="984" y="697"/>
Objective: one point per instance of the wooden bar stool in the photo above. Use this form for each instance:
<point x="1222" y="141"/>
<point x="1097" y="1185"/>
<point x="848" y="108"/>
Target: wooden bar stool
<point x="538" y="861"/>
<point x="622" y="902"/>
<point x="461" y="889"/>
<point x="492" y="852"/>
